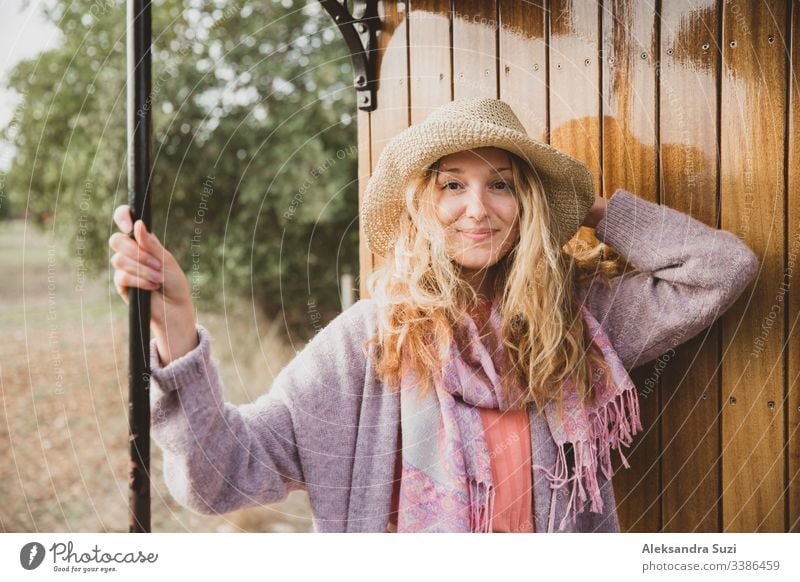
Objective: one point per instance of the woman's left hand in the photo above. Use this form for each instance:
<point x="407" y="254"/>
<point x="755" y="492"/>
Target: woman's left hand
<point x="596" y="212"/>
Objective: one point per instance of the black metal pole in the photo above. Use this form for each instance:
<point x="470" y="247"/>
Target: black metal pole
<point x="139" y="107"/>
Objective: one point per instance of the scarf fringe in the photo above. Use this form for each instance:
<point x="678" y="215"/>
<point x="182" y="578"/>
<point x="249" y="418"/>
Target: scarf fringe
<point x="610" y="427"/>
<point x="481" y="506"/>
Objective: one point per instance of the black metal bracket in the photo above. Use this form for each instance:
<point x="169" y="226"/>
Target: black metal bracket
<point x="360" y="32"/>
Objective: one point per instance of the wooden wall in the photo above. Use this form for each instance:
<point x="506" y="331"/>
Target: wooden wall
<point x="692" y="104"/>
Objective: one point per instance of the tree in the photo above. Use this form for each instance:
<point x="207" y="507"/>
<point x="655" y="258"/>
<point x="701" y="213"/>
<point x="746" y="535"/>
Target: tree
<point x="254" y="184"/>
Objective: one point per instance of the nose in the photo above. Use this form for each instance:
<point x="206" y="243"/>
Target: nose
<point x="475" y="208"/>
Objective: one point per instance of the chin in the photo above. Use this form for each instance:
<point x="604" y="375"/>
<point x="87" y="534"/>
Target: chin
<point x="476" y="265"/>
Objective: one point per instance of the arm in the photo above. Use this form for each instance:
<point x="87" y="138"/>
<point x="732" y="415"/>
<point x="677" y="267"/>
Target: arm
<point x="689" y="274"/>
<point x="219" y="457"/>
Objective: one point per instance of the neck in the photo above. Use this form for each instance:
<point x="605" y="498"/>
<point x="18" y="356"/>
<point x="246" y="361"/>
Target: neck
<point x="482" y="281"/>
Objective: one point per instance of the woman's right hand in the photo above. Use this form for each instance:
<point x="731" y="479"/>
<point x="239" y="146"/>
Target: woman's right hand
<point x="143" y="262"/>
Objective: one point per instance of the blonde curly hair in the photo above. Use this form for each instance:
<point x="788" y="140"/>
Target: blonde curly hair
<point x="420" y="295"/>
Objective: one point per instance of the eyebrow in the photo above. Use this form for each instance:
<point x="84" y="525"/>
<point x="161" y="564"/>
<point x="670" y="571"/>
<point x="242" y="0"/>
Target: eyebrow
<point x="460" y="171"/>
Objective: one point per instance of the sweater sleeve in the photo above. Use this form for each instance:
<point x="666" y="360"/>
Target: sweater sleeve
<point x="219" y="457"/>
<point x="687" y="275"/>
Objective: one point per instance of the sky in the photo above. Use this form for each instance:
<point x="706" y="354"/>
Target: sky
<point x="23" y="34"/>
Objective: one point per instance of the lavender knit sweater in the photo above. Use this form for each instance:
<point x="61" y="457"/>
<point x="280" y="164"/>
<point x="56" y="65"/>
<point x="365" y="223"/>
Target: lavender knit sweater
<point x="328" y="425"/>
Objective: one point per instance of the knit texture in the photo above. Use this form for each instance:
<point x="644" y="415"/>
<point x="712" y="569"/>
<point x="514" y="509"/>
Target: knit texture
<point x="327" y="425"/>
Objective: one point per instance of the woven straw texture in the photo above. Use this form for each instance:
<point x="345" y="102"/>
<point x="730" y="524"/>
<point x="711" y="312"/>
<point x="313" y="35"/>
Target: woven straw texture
<point x="467" y="124"/>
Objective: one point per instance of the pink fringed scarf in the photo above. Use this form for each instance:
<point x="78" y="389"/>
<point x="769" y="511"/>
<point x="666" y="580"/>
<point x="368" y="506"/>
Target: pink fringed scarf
<point x="446" y="483"/>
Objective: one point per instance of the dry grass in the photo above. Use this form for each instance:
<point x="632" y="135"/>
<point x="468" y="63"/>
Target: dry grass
<point x="63" y="397"/>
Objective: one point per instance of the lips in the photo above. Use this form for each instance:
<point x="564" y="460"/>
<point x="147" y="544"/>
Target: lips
<point x="478" y="234"/>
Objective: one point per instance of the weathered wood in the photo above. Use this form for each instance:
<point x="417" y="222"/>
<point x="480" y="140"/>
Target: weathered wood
<point x="629" y="145"/>
<point x="429" y="54"/>
<point x="690" y="391"/>
<point x="392" y="114"/>
<point x="664" y="106"/>
<point x="574" y="72"/>
<point x="753" y="90"/>
<point x="793" y="270"/>
<point x="523" y="58"/>
<point x="474" y="48"/>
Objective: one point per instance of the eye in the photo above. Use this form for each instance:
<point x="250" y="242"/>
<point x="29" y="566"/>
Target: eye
<point x="503" y="185"/>
<point x="446" y="185"/>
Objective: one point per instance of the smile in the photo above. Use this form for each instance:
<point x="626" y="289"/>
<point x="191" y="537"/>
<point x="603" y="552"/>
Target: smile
<point x="478" y="234"/>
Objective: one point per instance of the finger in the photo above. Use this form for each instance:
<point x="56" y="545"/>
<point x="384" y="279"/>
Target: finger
<point x="122" y="218"/>
<point x="123" y="244"/>
<point x="123" y="279"/>
<point x="135" y="267"/>
<point x="122" y="291"/>
<point x="147" y="240"/>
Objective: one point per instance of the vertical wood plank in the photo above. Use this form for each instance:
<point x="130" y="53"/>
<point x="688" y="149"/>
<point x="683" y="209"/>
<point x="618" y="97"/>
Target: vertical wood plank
<point x="522" y="60"/>
<point x="429" y="56"/>
<point x="690" y="392"/>
<point x="793" y="271"/>
<point x="392" y="114"/>
<point x="629" y="139"/>
<point x="474" y="48"/>
<point x="752" y="199"/>
<point x="574" y="76"/>
<point x="574" y="71"/>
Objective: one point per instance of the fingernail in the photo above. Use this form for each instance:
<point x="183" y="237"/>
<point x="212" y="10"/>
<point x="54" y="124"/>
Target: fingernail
<point x="126" y="226"/>
<point x="158" y="277"/>
<point x="153" y="262"/>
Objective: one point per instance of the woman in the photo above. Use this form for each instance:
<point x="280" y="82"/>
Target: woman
<point x="484" y="384"/>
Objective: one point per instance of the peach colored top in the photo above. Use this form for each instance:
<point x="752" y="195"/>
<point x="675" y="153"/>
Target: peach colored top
<point x="508" y="439"/>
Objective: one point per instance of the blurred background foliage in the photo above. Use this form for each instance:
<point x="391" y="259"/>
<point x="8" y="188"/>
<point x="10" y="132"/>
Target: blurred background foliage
<point x="254" y="185"/>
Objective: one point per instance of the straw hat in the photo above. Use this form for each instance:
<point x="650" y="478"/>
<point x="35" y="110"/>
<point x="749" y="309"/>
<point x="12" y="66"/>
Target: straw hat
<point x="466" y="124"/>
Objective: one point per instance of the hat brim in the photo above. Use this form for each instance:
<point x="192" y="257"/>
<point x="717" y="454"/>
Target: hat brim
<point x="568" y="183"/>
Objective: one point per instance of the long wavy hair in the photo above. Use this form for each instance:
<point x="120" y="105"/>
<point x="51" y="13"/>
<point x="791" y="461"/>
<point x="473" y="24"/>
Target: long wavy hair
<point x="421" y="295"/>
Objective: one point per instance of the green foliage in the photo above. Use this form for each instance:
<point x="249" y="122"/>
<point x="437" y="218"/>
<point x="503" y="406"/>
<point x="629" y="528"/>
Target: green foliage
<point x="254" y="161"/>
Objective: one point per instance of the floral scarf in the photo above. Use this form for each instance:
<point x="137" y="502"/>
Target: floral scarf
<point x="446" y="483"/>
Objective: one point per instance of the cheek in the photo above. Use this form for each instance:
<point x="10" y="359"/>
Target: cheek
<point x="446" y="211"/>
<point x="508" y="212"/>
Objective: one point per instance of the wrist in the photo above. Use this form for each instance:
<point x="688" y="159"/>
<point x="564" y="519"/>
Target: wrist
<point x="176" y="336"/>
<point x="596" y="212"/>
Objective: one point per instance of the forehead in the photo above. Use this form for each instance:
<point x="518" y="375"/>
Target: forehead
<point x="479" y="159"/>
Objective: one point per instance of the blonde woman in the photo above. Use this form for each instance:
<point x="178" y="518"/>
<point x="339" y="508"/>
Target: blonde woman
<point x="483" y="385"/>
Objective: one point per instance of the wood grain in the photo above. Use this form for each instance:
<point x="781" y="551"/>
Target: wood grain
<point x="793" y="269"/>
<point x="392" y="114"/>
<point x="690" y="391"/>
<point x="523" y="60"/>
<point x="753" y="89"/>
<point x="629" y="144"/>
<point x="474" y="48"/>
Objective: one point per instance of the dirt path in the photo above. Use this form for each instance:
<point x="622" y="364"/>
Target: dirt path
<point x="63" y="399"/>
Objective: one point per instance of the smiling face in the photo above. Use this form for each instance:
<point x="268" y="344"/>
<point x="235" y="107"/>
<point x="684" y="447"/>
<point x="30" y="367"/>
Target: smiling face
<point x="477" y="207"/>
